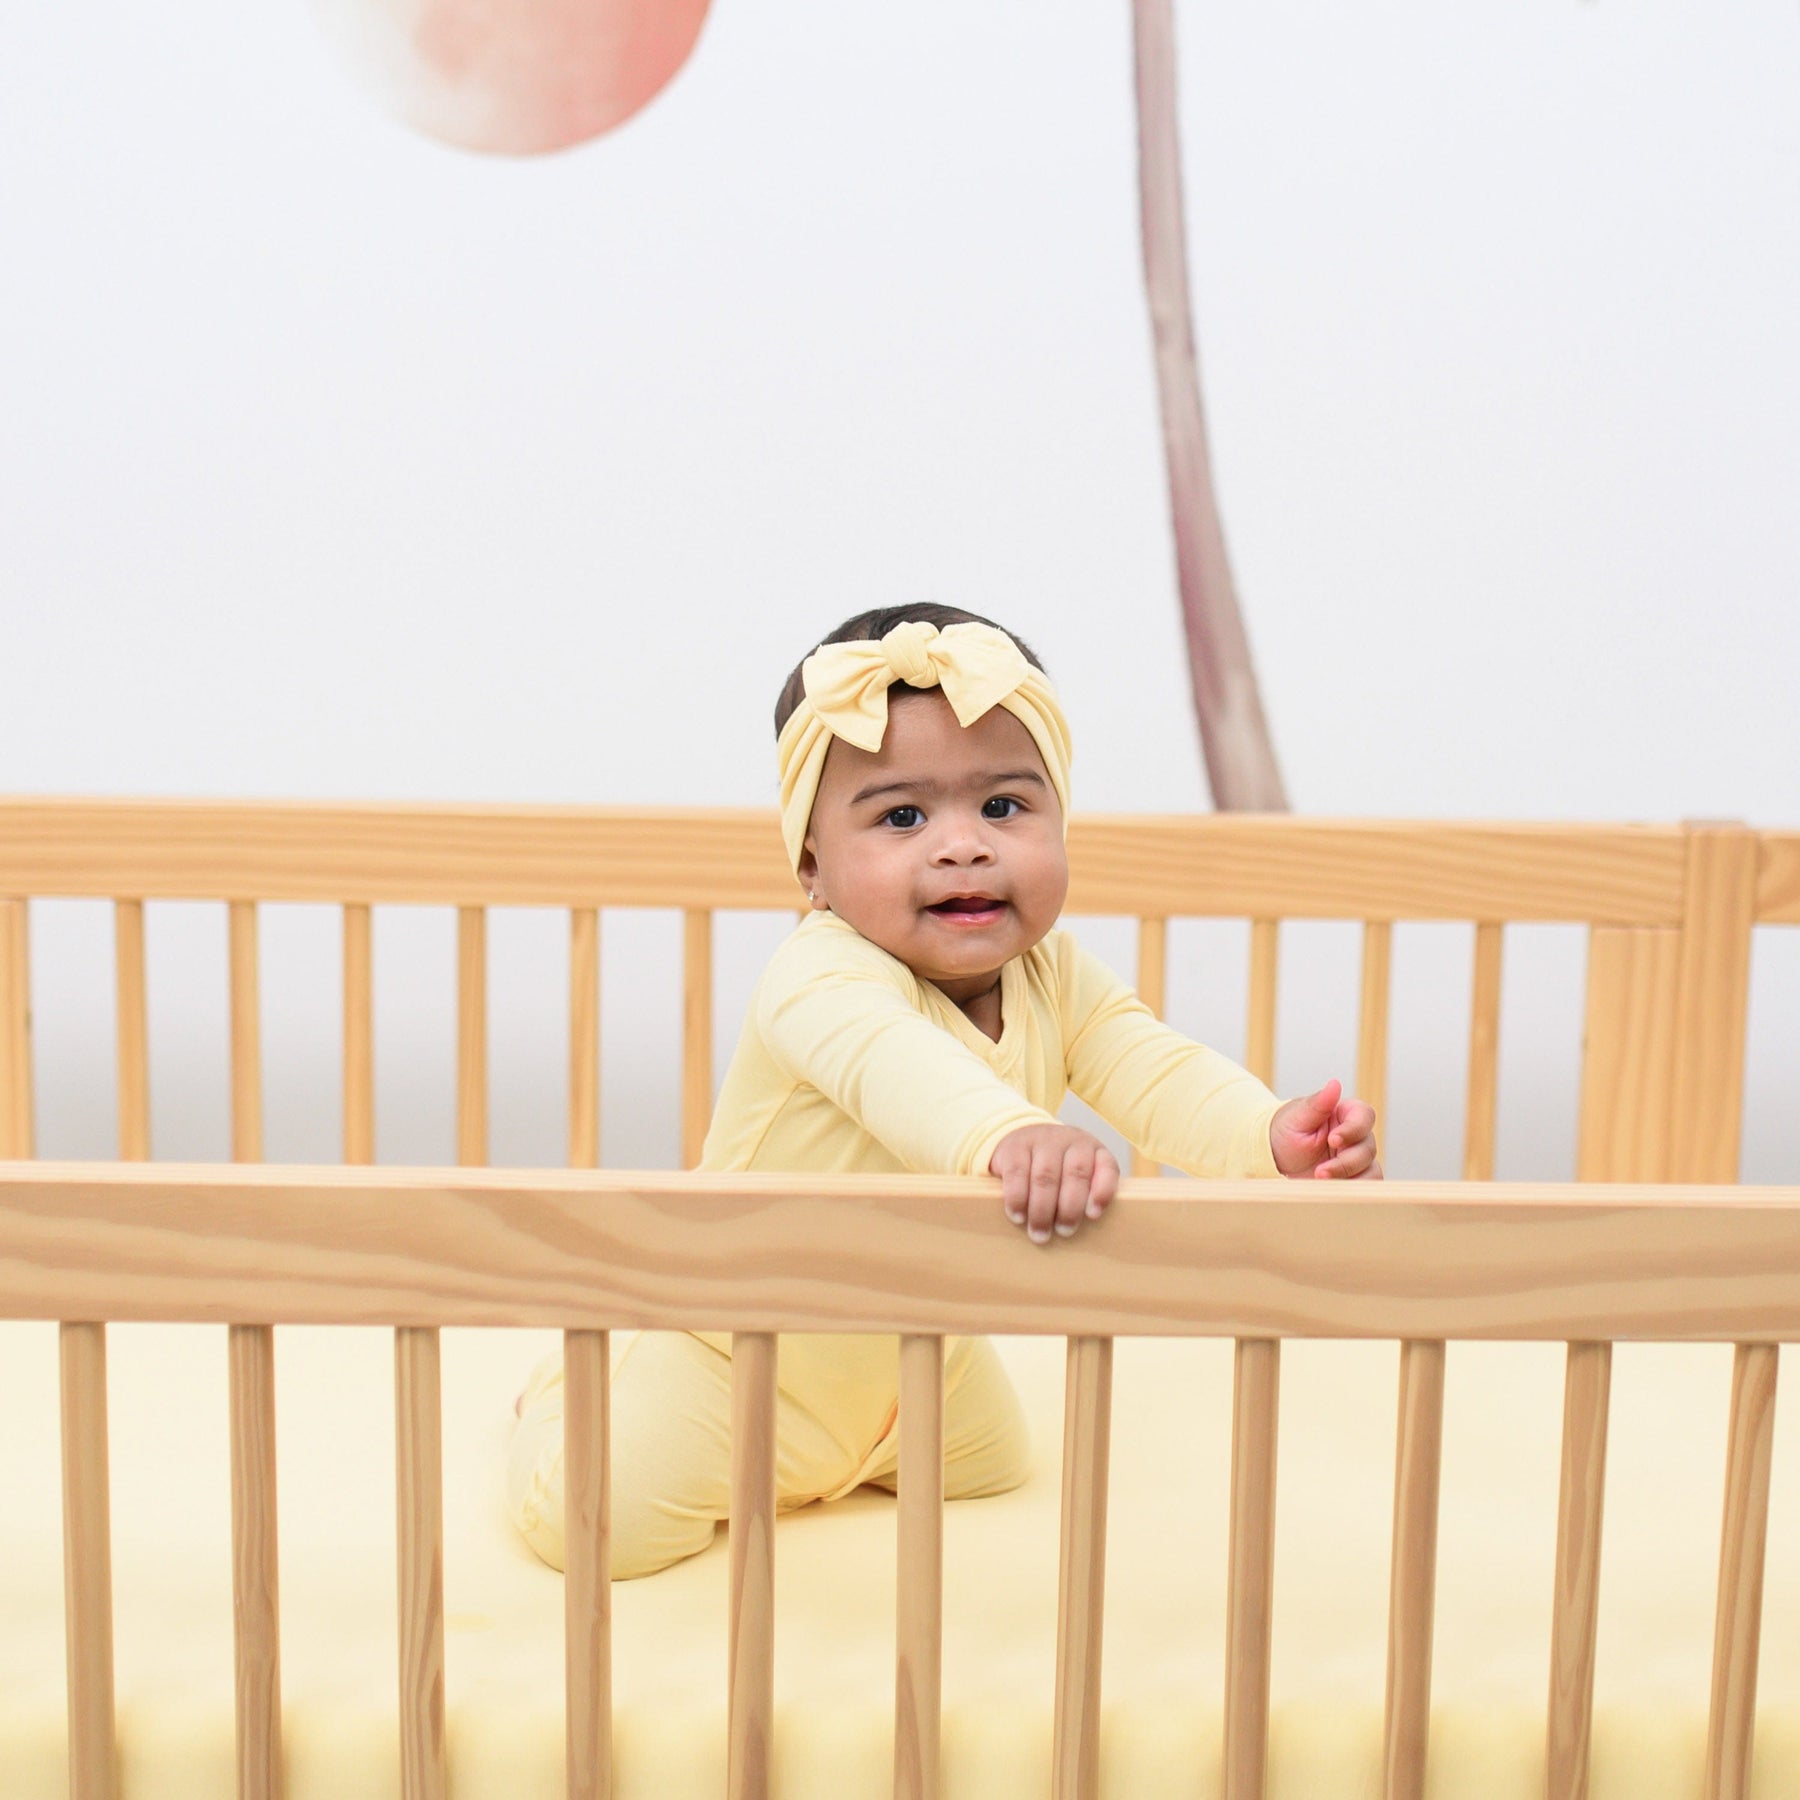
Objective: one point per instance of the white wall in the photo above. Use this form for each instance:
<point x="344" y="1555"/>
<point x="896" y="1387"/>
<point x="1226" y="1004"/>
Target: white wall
<point x="337" y="463"/>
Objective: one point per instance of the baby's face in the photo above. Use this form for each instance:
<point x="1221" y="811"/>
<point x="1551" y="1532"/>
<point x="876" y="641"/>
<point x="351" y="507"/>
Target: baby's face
<point x="945" y="847"/>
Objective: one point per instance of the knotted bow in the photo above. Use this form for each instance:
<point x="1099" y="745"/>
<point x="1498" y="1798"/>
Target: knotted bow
<point x="846" y="696"/>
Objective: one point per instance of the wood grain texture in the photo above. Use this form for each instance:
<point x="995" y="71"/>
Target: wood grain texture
<point x="1213" y="864"/>
<point x="919" y="1634"/>
<point x="1372" y="1020"/>
<point x="750" y="1719"/>
<point x="1737" y="1629"/>
<point x="927" y="1254"/>
<point x="1575" y="1607"/>
<point x="419" y="1497"/>
<point x="1628" y="1053"/>
<point x="359" y="1036"/>
<point x="696" y="1033"/>
<point x="1152" y="989"/>
<point x="587" y="1564"/>
<point x="1413" y="1581"/>
<point x="87" y="1563"/>
<point x="584" y="1038"/>
<point x="1081" y="1582"/>
<point x="255" y="1585"/>
<point x="1712" y="1002"/>
<point x="1250" y="1576"/>
<point x="246" y="1034"/>
<point x="1481" y="1116"/>
<point x="134" y="1031"/>
<point x="1265" y="961"/>
<point x="471" y="1036"/>
<point x="15" y="1030"/>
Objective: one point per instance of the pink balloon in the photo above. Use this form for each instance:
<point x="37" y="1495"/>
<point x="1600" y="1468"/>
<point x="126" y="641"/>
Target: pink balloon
<point x="512" y="76"/>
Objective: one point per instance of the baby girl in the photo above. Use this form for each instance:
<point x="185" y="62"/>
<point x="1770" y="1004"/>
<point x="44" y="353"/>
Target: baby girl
<point x="927" y="1015"/>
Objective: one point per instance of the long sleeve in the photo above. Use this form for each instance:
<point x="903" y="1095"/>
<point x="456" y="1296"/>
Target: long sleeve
<point x="844" y="1023"/>
<point x="1180" y="1102"/>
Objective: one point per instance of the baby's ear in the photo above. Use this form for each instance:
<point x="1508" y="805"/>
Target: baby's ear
<point x="808" y="871"/>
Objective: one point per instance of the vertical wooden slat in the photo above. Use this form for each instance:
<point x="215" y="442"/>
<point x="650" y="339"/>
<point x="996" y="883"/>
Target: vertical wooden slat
<point x="134" y="1031"/>
<point x="1265" y="947"/>
<point x="1414" y="1573"/>
<point x="15" y="1030"/>
<point x="1484" y="1056"/>
<point x="1712" y="1003"/>
<point x="1628" y="1053"/>
<point x="584" y="1038"/>
<point x="1737" y="1627"/>
<point x="471" y="1036"/>
<point x="1372" y="1027"/>
<point x="256" y="1612"/>
<point x="87" y="1563"/>
<point x="696" y="1033"/>
<point x="587" y="1567"/>
<point x="1251" y="1575"/>
<point x="256" y="1607"/>
<point x="1152" y="989"/>
<point x="750" y="1723"/>
<point x="1575" y="1610"/>
<point x="1081" y="1589"/>
<point x="359" y="1036"/>
<point x="918" y="1684"/>
<point x="418" y="1431"/>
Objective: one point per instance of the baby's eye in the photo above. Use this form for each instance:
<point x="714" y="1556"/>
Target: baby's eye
<point x="902" y="818"/>
<point x="1001" y="806"/>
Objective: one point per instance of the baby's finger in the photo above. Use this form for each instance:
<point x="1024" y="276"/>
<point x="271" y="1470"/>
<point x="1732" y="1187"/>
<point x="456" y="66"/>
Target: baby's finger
<point x="1354" y="1122"/>
<point x="1105" y="1185"/>
<point x="1072" y="1199"/>
<point x="1046" y="1186"/>
<point x="1014" y="1171"/>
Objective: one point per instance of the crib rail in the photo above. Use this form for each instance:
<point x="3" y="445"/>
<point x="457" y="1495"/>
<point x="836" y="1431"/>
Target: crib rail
<point x="591" y="1251"/>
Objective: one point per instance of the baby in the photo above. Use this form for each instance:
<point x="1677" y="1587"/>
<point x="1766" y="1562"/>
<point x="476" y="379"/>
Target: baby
<point x="927" y="1015"/>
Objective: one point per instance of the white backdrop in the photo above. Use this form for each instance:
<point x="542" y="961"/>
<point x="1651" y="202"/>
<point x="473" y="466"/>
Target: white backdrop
<point x="337" y="463"/>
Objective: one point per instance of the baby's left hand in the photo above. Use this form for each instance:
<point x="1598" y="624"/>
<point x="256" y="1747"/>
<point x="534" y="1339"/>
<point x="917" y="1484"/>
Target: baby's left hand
<point x="1325" y="1136"/>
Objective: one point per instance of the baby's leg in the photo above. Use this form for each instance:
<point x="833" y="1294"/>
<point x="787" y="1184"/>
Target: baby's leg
<point x="987" y="1444"/>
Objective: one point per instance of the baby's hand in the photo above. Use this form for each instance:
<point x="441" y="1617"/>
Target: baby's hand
<point x="1051" y="1176"/>
<point x="1325" y="1136"/>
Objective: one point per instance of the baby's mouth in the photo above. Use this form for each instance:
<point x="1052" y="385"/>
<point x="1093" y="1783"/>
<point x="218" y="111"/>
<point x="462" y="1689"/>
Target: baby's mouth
<point x="973" y="909"/>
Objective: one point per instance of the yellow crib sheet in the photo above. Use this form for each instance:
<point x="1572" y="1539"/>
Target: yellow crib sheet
<point x="835" y="1581"/>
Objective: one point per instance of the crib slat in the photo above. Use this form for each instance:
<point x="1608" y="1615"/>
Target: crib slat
<point x="246" y="1035"/>
<point x="256" y="1611"/>
<point x="920" y="1602"/>
<point x="1484" y="1056"/>
<point x="752" y="1665"/>
<point x="1628" y="1053"/>
<point x="1256" y="1385"/>
<point x="1372" y="1031"/>
<point x="1581" y="1495"/>
<point x="1081" y="1589"/>
<point x="15" y="1030"/>
<point x="1737" y="1629"/>
<point x="418" y="1431"/>
<point x="1152" y="989"/>
<point x="87" y="1563"/>
<point x="359" y="1036"/>
<point x="587" y="1569"/>
<point x="1414" y="1573"/>
<point x="696" y="1033"/>
<point x="584" y="1038"/>
<point x="471" y="1036"/>
<point x="1265" y="949"/>
<point x="134" y="1032"/>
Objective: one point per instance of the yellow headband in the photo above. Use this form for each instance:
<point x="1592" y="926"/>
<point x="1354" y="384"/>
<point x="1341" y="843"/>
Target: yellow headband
<point x="847" y="696"/>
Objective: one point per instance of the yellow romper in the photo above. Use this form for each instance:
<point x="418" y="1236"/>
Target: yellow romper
<point x="849" y="1063"/>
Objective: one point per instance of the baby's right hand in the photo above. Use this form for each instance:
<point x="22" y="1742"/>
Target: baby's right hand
<point x="1051" y="1176"/>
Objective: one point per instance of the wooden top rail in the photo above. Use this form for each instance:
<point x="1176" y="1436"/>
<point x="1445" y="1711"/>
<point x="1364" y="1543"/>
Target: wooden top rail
<point x="1234" y="865"/>
<point x="909" y="1254"/>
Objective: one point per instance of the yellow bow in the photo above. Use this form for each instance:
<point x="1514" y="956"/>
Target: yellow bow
<point x="846" y="696"/>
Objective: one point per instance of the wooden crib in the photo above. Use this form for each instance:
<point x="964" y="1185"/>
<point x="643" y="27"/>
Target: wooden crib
<point x="1669" y="914"/>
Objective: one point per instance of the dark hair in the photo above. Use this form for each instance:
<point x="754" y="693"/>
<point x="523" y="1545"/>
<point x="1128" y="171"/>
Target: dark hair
<point x="878" y="624"/>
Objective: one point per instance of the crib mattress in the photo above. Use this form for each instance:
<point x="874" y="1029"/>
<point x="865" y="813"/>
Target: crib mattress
<point x="1166" y="1563"/>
